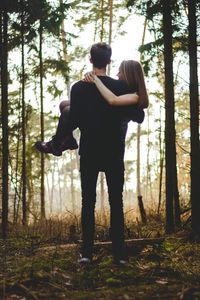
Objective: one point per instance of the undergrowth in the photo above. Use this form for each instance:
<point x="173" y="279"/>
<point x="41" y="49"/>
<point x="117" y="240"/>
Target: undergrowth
<point x="38" y="266"/>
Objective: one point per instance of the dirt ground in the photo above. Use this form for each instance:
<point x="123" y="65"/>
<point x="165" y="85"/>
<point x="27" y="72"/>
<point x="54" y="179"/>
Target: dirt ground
<point x="29" y="270"/>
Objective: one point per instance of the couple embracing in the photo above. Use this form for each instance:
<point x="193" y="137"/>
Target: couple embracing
<point x="101" y="108"/>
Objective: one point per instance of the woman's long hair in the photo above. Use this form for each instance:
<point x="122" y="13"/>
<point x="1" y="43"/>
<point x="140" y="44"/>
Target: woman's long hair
<point x="132" y="73"/>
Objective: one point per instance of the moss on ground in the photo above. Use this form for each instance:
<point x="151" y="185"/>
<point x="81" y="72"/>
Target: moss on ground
<point x="168" y="271"/>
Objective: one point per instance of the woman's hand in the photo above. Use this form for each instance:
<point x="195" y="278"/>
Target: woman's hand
<point x="90" y="77"/>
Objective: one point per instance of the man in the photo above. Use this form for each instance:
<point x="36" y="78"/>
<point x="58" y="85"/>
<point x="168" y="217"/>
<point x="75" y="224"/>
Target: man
<point x="102" y="144"/>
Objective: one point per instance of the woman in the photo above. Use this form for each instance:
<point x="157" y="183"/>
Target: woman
<point x="133" y="104"/>
<point x="130" y="71"/>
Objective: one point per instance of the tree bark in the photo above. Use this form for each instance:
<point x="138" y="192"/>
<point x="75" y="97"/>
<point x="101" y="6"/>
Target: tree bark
<point x="24" y="175"/>
<point x="148" y="187"/>
<point x="102" y="20"/>
<point x="169" y="115"/>
<point x="177" y="210"/>
<point x="42" y="196"/>
<point x="4" y="101"/>
<point x="110" y="27"/>
<point x="16" y="195"/>
<point x="64" y="47"/>
<point x="139" y="196"/>
<point x="194" y="118"/>
<point x="138" y="160"/>
<point x="161" y="166"/>
<point x="102" y="199"/>
<point x="72" y="184"/>
<point x="63" y="36"/>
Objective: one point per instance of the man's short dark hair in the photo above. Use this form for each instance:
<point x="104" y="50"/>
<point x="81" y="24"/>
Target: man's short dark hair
<point x="100" y="55"/>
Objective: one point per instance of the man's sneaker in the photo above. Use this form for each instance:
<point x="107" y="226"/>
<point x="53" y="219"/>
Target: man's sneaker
<point x="120" y="261"/>
<point x="47" y="147"/>
<point x="84" y="261"/>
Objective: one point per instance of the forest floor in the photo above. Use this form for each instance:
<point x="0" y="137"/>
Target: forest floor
<point x="30" y="270"/>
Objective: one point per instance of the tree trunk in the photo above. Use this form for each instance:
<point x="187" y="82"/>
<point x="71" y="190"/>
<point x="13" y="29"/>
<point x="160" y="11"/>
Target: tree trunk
<point x="24" y="175"/>
<point x="102" y="20"/>
<point x="30" y="184"/>
<point x="169" y="113"/>
<point x="194" y="118"/>
<point x="42" y="196"/>
<point x="110" y="27"/>
<point x="52" y="195"/>
<point x="142" y="210"/>
<point x="102" y="198"/>
<point x="170" y="152"/>
<point x="160" y="184"/>
<point x="63" y="36"/>
<point x="49" y="196"/>
<point x="139" y="196"/>
<point x="148" y="189"/>
<point x="16" y="195"/>
<point x="19" y="201"/>
<point x="64" y="47"/>
<point x="177" y="210"/>
<point x="161" y="165"/>
<point x="72" y="184"/>
<point x="4" y="101"/>
<point x="60" y="192"/>
<point x="138" y="161"/>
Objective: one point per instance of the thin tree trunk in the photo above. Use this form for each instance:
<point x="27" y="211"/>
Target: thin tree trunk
<point x="49" y="195"/>
<point x="30" y="187"/>
<point x="52" y="202"/>
<point x="138" y="161"/>
<point x="16" y="195"/>
<point x="160" y="184"/>
<point x="19" y="201"/>
<point x="24" y="175"/>
<point x="102" y="21"/>
<point x="194" y="118"/>
<point x="102" y="197"/>
<point x="148" y="169"/>
<point x="42" y="196"/>
<point x="4" y="101"/>
<point x="169" y="114"/>
<point x="72" y="184"/>
<point x="95" y="30"/>
<point x="110" y="27"/>
<point x="110" y="21"/>
<point x="177" y="210"/>
<point x="60" y="191"/>
<point x="161" y="166"/>
<point x="64" y="47"/>
<point x="139" y="196"/>
<point x="15" y="183"/>
<point x="63" y="36"/>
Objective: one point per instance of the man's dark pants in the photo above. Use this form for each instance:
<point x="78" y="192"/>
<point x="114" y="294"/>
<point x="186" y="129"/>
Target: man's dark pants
<point x="114" y="173"/>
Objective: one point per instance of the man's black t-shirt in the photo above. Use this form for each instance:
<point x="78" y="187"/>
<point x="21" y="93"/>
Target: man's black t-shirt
<point x="102" y="128"/>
